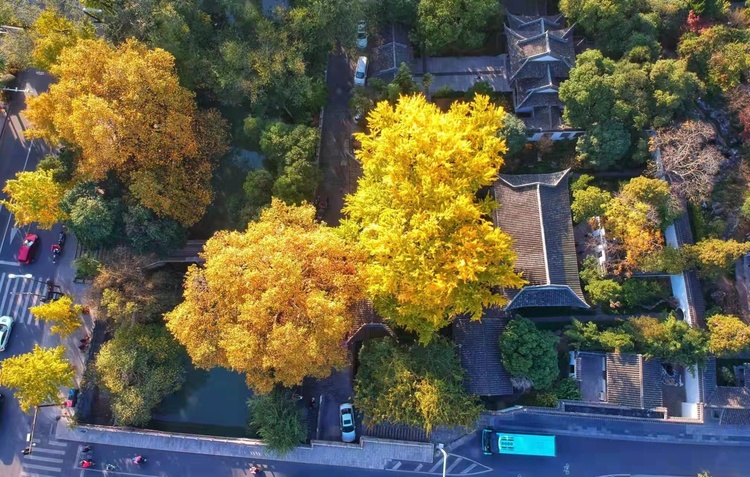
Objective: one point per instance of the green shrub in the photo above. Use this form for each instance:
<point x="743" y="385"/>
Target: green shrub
<point x="277" y="419"/>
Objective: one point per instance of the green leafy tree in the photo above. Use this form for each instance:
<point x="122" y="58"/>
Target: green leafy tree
<point x="714" y="256"/>
<point x="529" y="353"/>
<point x="583" y="335"/>
<point x="667" y="260"/>
<point x="297" y="183"/>
<point x="671" y="340"/>
<point x="589" y="202"/>
<point x="514" y="133"/>
<point x="604" y="144"/>
<point x="641" y="291"/>
<point x="139" y="367"/>
<point x="416" y="386"/>
<point x="615" y="25"/>
<point x="258" y="187"/>
<point x="603" y="292"/>
<point x="277" y="419"/>
<point x="449" y="23"/>
<point x="729" y="335"/>
<point x="148" y="233"/>
<point x="93" y="222"/>
<point x="86" y="266"/>
<point x="674" y="90"/>
<point x="252" y="128"/>
<point x="36" y="377"/>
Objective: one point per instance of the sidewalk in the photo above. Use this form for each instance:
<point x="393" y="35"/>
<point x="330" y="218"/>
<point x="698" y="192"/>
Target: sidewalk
<point x="548" y="422"/>
<point x="370" y="453"/>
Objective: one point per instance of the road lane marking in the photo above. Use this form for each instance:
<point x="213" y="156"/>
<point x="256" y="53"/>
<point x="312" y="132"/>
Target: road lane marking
<point x="434" y="467"/>
<point x="41" y="467"/>
<point x="468" y="469"/>
<point x="58" y="443"/>
<point x="44" y="450"/>
<point x="453" y="465"/>
<point x="53" y="460"/>
<point x="395" y="467"/>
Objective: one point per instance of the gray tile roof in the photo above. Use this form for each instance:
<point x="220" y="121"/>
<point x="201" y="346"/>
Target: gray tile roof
<point x="735" y="417"/>
<point x="479" y="350"/>
<point x="633" y="381"/>
<point x="534" y="209"/>
<point x="540" y="55"/>
<point x="733" y="397"/>
<point x="393" y="50"/>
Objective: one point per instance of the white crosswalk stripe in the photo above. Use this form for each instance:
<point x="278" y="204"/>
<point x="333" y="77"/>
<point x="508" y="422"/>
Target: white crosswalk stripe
<point x="46" y="458"/>
<point x="18" y="294"/>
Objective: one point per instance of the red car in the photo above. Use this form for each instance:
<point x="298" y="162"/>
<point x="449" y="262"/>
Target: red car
<point x="28" y="249"/>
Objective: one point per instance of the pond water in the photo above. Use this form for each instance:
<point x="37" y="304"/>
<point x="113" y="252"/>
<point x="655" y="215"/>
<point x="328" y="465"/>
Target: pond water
<point x="210" y="402"/>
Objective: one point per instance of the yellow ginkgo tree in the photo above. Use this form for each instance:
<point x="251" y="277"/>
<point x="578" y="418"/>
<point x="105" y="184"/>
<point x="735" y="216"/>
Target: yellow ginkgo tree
<point x="36" y="377"/>
<point x="33" y="196"/>
<point x="63" y="313"/>
<point x="273" y="302"/>
<point x="124" y="109"/>
<point x="433" y="252"/>
<point x="52" y="33"/>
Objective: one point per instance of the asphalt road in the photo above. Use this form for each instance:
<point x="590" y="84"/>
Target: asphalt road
<point x="578" y="457"/>
<point x="17" y="154"/>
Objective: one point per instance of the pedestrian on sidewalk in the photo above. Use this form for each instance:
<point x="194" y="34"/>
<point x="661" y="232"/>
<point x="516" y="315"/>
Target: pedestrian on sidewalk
<point x="312" y="402"/>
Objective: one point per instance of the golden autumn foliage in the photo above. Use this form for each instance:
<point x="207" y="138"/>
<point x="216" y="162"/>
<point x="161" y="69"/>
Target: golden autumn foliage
<point x="36" y="377"/>
<point x="636" y="216"/>
<point x="432" y="252"/>
<point x="33" y="196"/>
<point x="125" y="110"/>
<point x="273" y="301"/>
<point x="52" y="33"/>
<point x="63" y="313"/>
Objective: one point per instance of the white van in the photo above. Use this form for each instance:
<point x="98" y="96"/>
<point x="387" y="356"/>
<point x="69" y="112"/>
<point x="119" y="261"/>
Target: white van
<point x="360" y="74"/>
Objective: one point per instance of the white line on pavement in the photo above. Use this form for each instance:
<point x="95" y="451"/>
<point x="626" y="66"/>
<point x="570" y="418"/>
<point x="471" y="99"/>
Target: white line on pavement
<point x="117" y="472"/>
<point x="468" y="469"/>
<point x="434" y="467"/>
<point x="54" y="460"/>
<point x="8" y="262"/>
<point x="453" y="465"/>
<point x="42" y="467"/>
<point x="58" y="443"/>
<point x="36" y="474"/>
<point x="44" y="450"/>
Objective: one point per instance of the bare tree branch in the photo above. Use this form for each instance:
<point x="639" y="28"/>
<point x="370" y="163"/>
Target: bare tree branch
<point x="689" y="158"/>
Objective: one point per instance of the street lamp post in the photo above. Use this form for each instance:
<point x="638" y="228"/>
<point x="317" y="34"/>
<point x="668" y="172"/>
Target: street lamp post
<point x="27" y="450"/>
<point x="440" y="447"/>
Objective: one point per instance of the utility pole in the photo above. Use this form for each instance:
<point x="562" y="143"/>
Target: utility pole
<point x="27" y="450"/>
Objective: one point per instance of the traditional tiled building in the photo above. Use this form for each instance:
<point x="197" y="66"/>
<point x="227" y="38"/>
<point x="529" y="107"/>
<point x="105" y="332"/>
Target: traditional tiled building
<point x="534" y="209"/>
<point x="540" y="55"/>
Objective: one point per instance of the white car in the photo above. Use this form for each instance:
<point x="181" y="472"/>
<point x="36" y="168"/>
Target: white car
<point x="6" y="326"/>
<point x="360" y="74"/>
<point x="348" y="429"/>
<point x="362" y="35"/>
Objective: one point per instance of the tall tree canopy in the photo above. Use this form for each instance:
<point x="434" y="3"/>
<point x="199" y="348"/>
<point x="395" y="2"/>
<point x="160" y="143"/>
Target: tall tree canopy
<point x="416" y="386"/>
<point x="529" y="355"/>
<point x="613" y="100"/>
<point x="139" y="367"/>
<point x="273" y="302"/>
<point x="36" y="377"/>
<point x="33" y="196"/>
<point x="125" y="110"/>
<point x="729" y="335"/>
<point x="452" y="23"/>
<point x="63" y="313"/>
<point x="432" y="252"/>
<point x="52" y="33"/>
